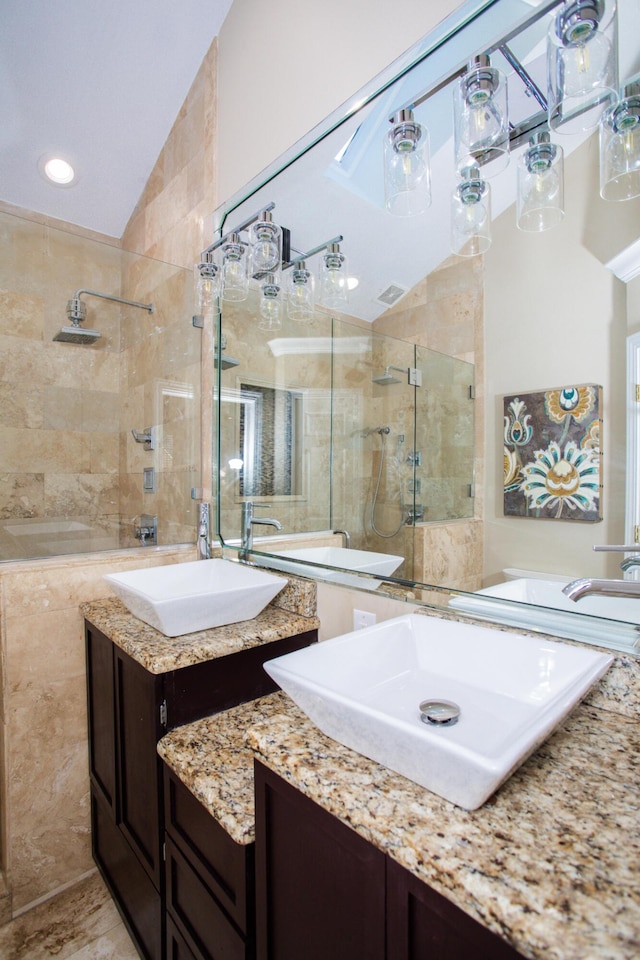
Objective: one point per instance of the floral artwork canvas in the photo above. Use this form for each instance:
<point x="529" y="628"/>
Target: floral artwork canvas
<point x="553" y="454"/>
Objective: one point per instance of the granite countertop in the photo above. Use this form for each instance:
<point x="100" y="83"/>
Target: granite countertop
<point x="550" y="862"/>
<point x="291" y="613"/>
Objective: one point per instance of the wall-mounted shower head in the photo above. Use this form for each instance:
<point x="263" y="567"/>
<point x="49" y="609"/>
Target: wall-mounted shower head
<point x="386" y="379"/>
<point x="380" y="430"/>
<point x="77" y="313"/>
<point x="77" y="334"/>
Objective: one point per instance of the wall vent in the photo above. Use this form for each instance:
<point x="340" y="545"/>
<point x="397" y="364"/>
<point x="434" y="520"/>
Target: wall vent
<point x="391" y="294"/>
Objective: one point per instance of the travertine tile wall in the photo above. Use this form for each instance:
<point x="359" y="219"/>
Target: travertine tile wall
<point x="59" y="402"/>
<point x="44" y="698"/>
<point x="44" y="824"/>
<point x="173" y="220"/>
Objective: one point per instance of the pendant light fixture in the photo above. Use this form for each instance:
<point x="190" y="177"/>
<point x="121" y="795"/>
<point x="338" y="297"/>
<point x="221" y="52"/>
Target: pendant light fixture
<point x="620" y="146"/>
<point x="481" y="117"/>
<point x="407" y="177"/>
<point x="235" y="273"/>
<point x="334" y="289"/>
<point x="471" y="214"/>
<point x="269" y="303"/>
<point x="540" y="200"/>
<point x="582" y="67"/>
<point x="265" y="238"/>
<point x="300" y="294"/>
<point x="206" y="285"/>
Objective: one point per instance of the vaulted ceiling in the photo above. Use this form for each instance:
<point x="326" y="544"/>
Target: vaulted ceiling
<point x="100" y="83"/>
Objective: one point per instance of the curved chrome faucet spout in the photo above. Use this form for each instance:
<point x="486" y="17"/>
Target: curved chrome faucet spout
<point x="578" y="589"/>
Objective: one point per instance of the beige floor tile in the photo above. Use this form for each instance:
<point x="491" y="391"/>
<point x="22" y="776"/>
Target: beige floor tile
<point x="114" y="945"/>
<point x="81" y="923"/>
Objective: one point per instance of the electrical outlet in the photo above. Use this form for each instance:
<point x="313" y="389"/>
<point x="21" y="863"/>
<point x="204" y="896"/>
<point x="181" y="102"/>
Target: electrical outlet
<point x="362" y="618"/>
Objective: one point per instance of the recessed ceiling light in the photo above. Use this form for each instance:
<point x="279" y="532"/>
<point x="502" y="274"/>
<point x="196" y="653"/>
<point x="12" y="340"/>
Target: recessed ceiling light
<point x="57" y="170"/>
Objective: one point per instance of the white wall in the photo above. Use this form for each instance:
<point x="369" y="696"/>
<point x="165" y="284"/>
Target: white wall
<point x="284" y="66"/>
<point x="575" y="333"/>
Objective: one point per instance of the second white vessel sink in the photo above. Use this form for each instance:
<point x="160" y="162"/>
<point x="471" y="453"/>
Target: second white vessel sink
<point x="184" y="597"/>
<point x="368" y="689"/>
<point x="343" y="558"/>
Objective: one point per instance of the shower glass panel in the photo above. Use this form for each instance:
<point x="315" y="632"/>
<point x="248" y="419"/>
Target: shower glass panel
<point x="275" y="423"/>
<point x="73" y="478"/>
<point x="445" y="425"/>
<point x="373" y="432"/>
<point x="331" y="426"/>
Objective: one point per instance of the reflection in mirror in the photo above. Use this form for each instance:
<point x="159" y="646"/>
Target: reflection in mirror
<point x="402" y="387"/>
<point x="270" y="441"/>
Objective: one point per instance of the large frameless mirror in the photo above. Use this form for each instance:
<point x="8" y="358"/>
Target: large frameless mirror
<point x="407" y="273"/>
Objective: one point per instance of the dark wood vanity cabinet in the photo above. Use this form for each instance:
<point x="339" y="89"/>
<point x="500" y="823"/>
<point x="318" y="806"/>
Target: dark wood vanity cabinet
<point x="129" y="710"/>
<point x="210" y="881"/>
<point x="323" y="891"/>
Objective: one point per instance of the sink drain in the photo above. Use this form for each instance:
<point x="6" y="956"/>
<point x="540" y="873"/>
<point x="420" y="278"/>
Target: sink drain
<point x="441" y="713"/>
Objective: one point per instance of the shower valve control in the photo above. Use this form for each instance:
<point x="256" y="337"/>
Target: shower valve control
<point x="147" y="436"/>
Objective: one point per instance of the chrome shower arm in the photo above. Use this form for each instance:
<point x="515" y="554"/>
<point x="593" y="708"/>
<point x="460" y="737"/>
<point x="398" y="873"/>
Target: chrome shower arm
<point x="110" y="296"/>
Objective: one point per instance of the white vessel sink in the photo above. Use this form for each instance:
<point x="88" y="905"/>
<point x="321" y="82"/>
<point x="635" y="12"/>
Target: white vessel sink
<point x="609" y="621"/>
<point x="184" y="597"/>
<point x="365" y="689"/>
<point x="362" y="561"/>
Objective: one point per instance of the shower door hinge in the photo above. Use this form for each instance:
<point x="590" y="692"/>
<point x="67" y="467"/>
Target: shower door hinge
<point x="636" y="534"/>
<point x="471" y="489"/>
<point x="415" y="377"/>
<point x="196" y="493"/>
<point x="198" y="321"/>
<point x="637" y="392"/>
<point x="163" y="713"/>
<point x="472" y="391"/>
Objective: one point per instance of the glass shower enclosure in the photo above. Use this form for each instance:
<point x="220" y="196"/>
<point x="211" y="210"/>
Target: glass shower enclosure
<point x="100" y="434"/>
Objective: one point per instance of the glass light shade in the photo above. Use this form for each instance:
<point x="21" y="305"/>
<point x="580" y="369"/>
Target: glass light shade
<point x="300" y="301"/>
<point x="481" y="118"/>
<point x="471" y="215"/>
<point x="582" y="64"/>
<point x="620" y="148"/>
<point x="269" y="304"/>
<point x="407" y="177"/>
<point x="265" y="238"/>
<point x="540" y="201"/>
<point x="206" y="277"/>
<point x="334" y="288"/>
<point x="235" y="275"/>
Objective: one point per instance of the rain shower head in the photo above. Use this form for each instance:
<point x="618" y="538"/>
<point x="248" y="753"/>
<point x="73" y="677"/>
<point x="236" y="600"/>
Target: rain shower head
<point x="386" y="379"/>
<point x="77" y="334"/>
<point x="74" y="333"/>
<point x="77" y="313"/>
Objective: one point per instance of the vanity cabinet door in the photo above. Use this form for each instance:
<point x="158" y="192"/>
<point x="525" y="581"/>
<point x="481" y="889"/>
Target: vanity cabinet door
<point x="423" y="924"/>
<point x="320" y="888"/>
<point x="138" y="729"/>
<point x="102" y="713"/>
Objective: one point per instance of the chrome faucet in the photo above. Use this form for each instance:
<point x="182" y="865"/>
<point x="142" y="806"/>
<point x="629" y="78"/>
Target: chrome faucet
<point x="608" y="588"/>
<point x="345" y="534"/>
<point x="248" y="521"/>
<point x="203" y="542"/>
<point x="630" y="562"/>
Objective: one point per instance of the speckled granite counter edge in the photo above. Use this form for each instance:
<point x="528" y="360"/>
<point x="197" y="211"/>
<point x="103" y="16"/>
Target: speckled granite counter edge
<point x="159" y="654"/>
